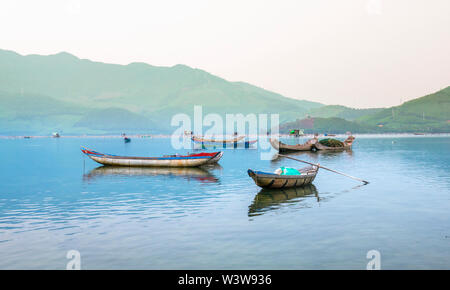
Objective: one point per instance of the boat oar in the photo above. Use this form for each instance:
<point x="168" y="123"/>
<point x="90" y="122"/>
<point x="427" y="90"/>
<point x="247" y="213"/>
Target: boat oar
<point x="320" y="166"/>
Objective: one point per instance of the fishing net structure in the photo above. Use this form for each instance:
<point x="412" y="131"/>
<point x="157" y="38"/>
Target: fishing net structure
<point x="331" y="142"/>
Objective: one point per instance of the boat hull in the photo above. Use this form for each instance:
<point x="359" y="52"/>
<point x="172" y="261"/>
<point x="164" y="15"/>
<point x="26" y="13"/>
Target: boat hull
<point x="347" y="145"/>
<point x="281" y="147"/>
<point x="149" y="162"/>
<point x="193" y="160"/>
<point x="271" y="180"/>
<point x="319" y="146"/>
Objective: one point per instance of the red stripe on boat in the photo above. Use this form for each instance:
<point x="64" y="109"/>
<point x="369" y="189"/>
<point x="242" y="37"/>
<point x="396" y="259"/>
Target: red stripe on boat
<point x="203" y="154"/>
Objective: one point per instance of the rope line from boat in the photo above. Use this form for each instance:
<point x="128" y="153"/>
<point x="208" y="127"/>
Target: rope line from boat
<point x="320" y="166"/>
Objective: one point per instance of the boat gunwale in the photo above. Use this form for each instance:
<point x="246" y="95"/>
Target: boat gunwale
<point x="186" y="157"/>
<point x="261" y="174"/>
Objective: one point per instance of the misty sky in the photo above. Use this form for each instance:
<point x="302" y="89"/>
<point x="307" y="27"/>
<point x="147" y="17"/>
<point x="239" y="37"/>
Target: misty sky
<point x="359" y="53"/>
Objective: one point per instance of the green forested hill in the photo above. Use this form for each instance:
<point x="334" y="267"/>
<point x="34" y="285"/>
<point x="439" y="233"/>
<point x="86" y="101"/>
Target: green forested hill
<point x="148" y="93"/>
<point x="343" y="112"/>
<point x="36" y="114"/>
<point x="40" y="94"/>
<point x="327" y="125"/>
<point x="430" y="113"/>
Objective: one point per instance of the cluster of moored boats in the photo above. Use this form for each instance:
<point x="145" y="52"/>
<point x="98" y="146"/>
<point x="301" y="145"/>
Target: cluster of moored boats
<point x="305" y="175"/>
<point x="311" y="145"/>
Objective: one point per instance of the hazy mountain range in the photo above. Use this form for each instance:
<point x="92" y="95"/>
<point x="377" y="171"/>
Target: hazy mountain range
<point x="41" y="94"/>
<point x="430" y="114"/>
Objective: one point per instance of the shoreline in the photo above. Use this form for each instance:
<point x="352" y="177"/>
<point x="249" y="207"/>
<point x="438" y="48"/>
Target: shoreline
<point x="165" y="136"/>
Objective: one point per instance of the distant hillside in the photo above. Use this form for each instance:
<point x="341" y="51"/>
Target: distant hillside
<point x="40" y="94"/>
<point x="36" y="114"/>
<point x="83" y="93"/>
<point x="25" y="114"/>
<point x="120" y="120"/>
<point x="341" y="112"/>
<point x="327" y="125"/>
<point x="430" y="113"/>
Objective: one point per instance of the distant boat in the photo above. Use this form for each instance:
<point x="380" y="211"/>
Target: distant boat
<point x="272" y="180"/>
<point x="191" y="160"/>
<point x="233" y="142"/>
<point x="217" y="141"/>
<point x="296" y="133"/>
<point x="27" y="137"/>
<point x="419" y="133"/>
<point x="125" y="138"/>
<point x="281" y="147"/>
<point x="56" y="135"/>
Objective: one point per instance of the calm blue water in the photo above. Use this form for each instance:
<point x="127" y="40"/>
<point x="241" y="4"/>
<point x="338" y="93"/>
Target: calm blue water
<point x="53" y="200"/>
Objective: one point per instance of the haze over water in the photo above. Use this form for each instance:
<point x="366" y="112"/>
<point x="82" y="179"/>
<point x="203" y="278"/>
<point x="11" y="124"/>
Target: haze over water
<point x="52" y="200"/>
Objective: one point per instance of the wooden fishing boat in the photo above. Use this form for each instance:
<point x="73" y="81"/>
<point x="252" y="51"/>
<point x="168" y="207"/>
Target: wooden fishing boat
<point x="245" y="144"/>
<point x="191" y="160"/>
<point x="347" y="145"/>
<point x="281" y="147"/>
<point x="272" y="180"/>
<point x="233" y="140"/>
<point x="126" y="140"/>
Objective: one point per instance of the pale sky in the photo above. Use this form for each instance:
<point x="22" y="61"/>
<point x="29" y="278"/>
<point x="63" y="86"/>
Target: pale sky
<point x="359" y="53"/>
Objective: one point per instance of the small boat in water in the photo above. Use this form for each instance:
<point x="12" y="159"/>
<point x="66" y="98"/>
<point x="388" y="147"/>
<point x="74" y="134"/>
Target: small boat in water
<point x="235" y="142"/>
<point x="273" y="180"/>
<point x="191" y="160"/>
<point x="125" y="138"/>
<point x="296" y="133"/>
<point x="347" y="144"/>
<point x="217" y="141"/>
<point x="282" y="147"/>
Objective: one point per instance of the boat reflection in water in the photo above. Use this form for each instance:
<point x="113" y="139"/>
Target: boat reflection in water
<point x="272" y="199"/>
<point x="190" y="173"/>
